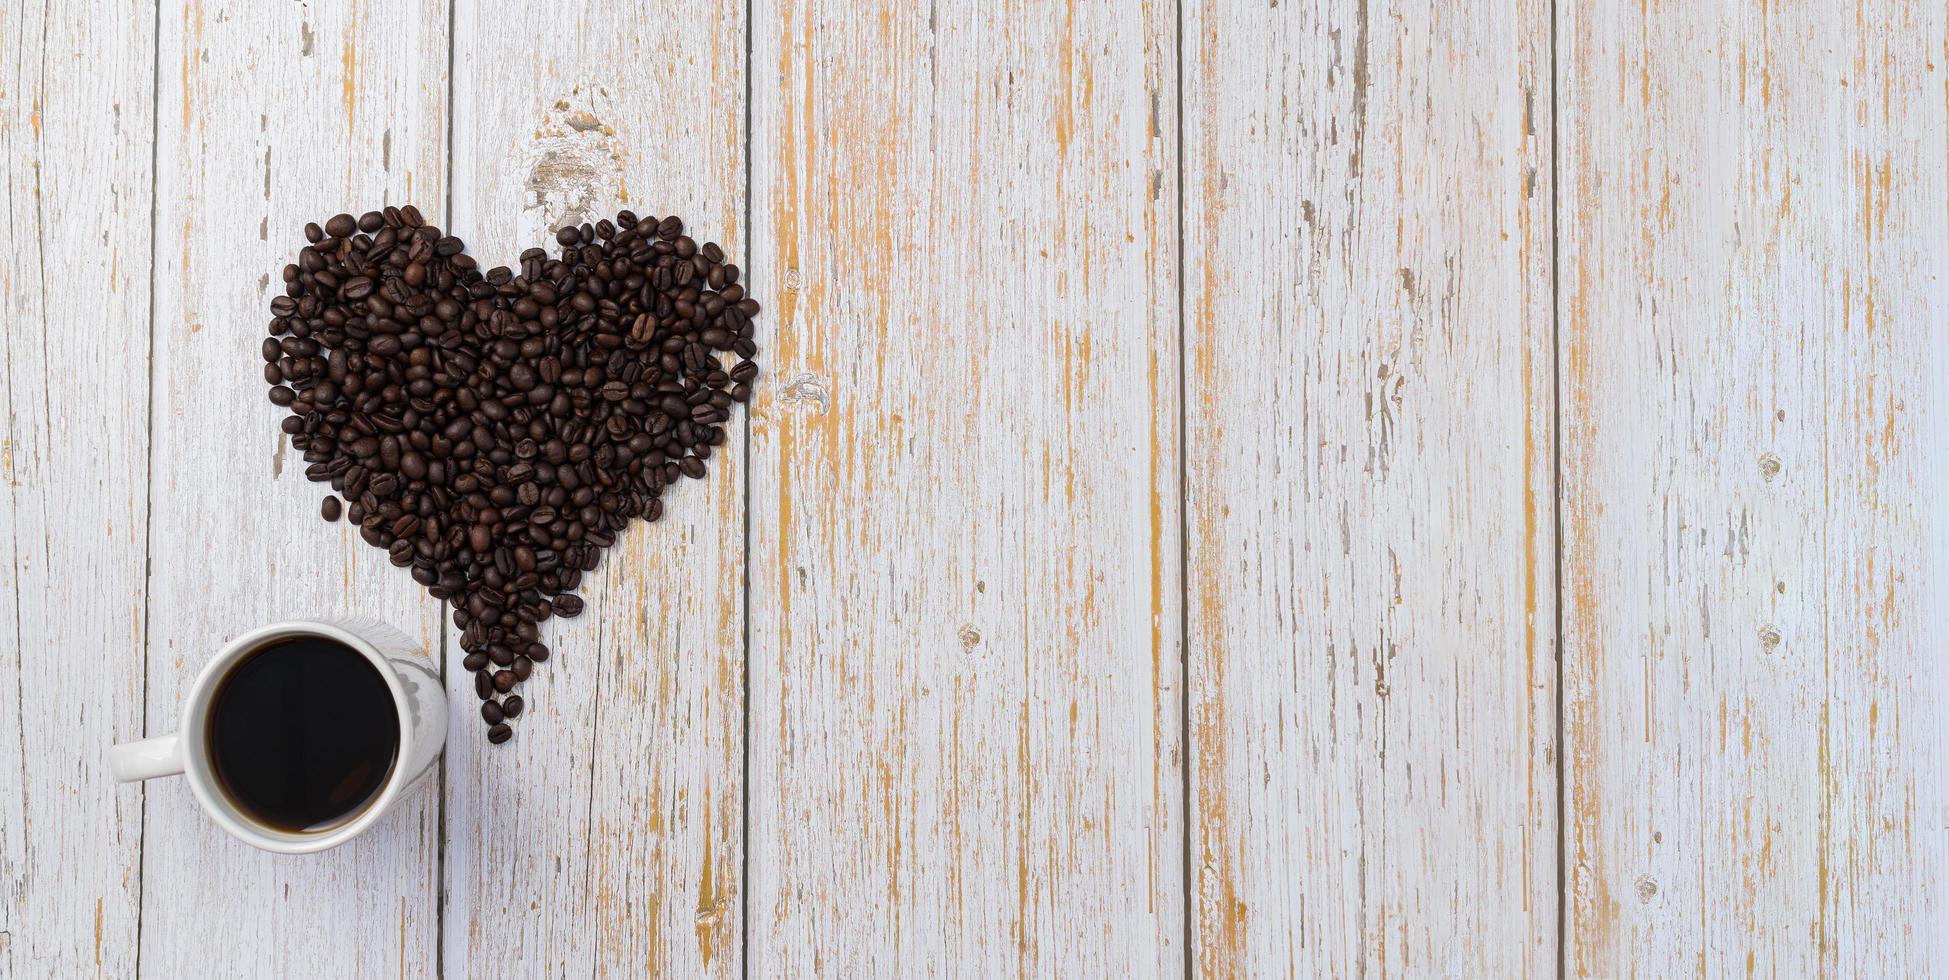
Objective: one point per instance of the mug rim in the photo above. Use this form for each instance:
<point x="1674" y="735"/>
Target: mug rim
<point x="200" y="769"/>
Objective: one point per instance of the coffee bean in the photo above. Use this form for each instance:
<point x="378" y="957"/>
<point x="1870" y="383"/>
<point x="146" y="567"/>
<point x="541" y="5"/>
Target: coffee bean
<point x="494" y="430"/>
<point x="499" y="733"/>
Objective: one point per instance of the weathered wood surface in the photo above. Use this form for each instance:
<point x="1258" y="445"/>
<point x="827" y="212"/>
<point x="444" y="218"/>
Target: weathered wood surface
<point x="609" y="834"/>
<point x="1368" y="447"/>
<point x="269" y="115"/>
<point x="993" y="645"/>
<point x="75" y="111"/>
<point x="1755" y="367"/>
<point x="964" y="734"/>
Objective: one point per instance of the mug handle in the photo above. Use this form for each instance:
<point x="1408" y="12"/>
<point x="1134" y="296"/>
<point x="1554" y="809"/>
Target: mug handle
<point x="146" y="759"/>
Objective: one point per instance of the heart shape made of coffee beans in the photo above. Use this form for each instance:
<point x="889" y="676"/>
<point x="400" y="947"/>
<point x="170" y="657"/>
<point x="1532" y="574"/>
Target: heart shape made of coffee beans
<point x="495" y="431"/>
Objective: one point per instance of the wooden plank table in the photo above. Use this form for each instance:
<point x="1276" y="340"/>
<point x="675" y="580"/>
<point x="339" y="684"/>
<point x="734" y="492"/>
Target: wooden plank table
<point x="1269" y="489"/>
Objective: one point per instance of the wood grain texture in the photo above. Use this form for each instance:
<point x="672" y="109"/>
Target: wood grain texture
<point x="964" y="737"/>
<point x="271" y="115"/>
<point x="607" y="835"/>
<point x="967" y="617"/>
<point x="1754" y="355"/>
<point x="75" y="120"/>
<point x="1368" y="447"/>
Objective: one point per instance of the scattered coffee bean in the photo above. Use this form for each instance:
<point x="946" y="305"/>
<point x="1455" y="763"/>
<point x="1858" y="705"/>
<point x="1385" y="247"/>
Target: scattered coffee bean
<point x="495" y="430"/>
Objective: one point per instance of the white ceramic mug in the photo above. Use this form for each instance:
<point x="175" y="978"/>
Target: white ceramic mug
<point x="417" y="693"/>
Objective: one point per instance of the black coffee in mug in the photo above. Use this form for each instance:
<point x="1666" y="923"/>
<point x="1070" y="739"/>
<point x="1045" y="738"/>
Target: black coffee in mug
<point x="303" y="733"/>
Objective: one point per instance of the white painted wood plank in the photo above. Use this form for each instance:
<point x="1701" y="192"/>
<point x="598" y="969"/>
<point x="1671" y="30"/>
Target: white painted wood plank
<point x="272" y="115"/>
<point x="607" y="834"/>
<point x="75" y="118"/>
<point x="1368" y="393"/>
<point x="965" y="748"/>
<point x="1756" y="337"/>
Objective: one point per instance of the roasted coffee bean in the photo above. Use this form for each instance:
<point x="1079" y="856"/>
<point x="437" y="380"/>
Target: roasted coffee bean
<point x="495" y="429"/>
